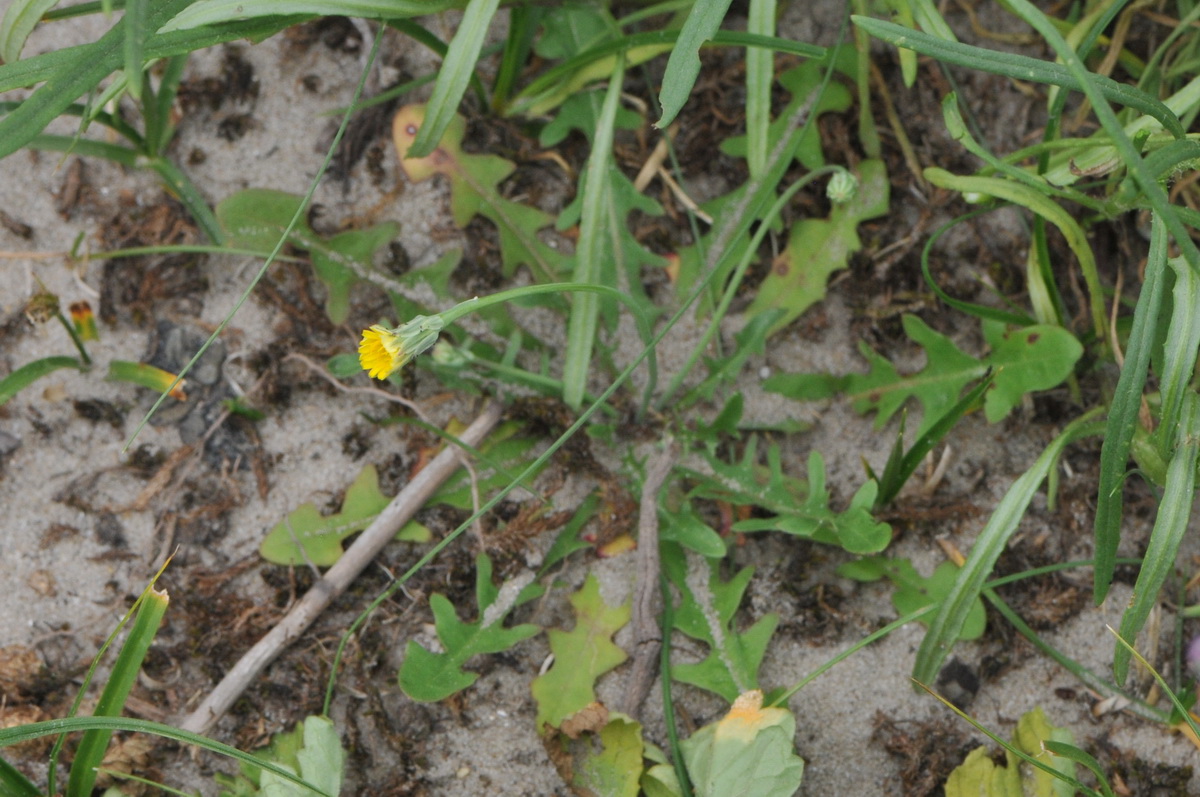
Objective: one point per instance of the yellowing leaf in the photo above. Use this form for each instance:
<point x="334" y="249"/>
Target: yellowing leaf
<point x="749" y="752"/>
<point x="581" y="655"/>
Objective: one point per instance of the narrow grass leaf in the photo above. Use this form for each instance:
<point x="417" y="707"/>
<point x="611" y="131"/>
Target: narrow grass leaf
<point x="124" y="674"/>
<point x="947" y="624"/>
<point x="760" y="74"/>
<point x="1180" y="708"/>
<point x="585" y="312"/>
<point x="1073" y="753"/>
<point x="135" y="39"/>
<point x="454" y="76"/>
<point x="74" y="77"/>
<point x="216" y="12"/>
<point x="1017" y="66"/>
<point x="21" y="378"/>
<point x="13" y="782"/>
<point x="1174" y="511"/>
<point x="684" y="64"/>
<point x="1123" y="411"/>
<point x="1179" y="354"/>
<point x="20" y="18"/>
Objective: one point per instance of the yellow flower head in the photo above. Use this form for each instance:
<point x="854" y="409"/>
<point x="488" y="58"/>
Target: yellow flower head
<point x="382" y="351"/>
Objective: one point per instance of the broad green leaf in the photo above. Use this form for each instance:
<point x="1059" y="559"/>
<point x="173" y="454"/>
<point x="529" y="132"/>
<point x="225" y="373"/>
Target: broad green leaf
<point x="307" y="536"/>
<point x="1034" y="358"/>
<point x="581" y="656"/>
<point x="427" y="676"/>
<point x="706" y="613"/>
<point x="256" y="217"/>
<point x="474" y="190"/>
<point x="751" y="752"/>
<point x="313" y="751"/>
<point x="24" y="376"/>
<point x="818" y="247"/>
<point x="615" y="768"/>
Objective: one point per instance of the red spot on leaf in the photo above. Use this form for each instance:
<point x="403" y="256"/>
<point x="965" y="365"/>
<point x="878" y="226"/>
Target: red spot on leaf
<point x="1033" y="337"/>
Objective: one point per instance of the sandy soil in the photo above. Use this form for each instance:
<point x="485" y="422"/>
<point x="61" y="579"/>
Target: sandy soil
<point x="78" y="544"/>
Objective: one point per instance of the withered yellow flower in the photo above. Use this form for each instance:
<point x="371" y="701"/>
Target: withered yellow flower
<point x="383" y="351"/>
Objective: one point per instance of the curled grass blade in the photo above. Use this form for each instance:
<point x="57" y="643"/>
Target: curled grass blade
<point x="1073" y="753"/>
<point x="1026" y="196"/>
<point x="1174" y="511"/>
<point x="1123" y="411"/>
<point x="21" y="378"/>
<point x="945" y="627"/>
<point x="20" y="18"/>
<point x="683" y="66"/>
<point x="585" y="312"/>
<point x="454" y="76"/>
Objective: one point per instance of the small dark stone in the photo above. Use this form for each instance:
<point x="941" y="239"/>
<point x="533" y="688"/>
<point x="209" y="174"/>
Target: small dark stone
<point x="109" y="530"/>
<point x="100" y="411"/>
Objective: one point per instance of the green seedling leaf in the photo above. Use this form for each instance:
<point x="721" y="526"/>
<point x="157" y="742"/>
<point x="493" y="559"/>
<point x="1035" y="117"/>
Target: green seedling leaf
<point x="599" y="752"/>
<point x="913" y="591"/>
<point x="751" y="751"/>
<point x="702" y="23"/>
<point x="581" y="656"/>
<point x="24" y="376"/>
<point x="1034" y="358"/>
<point x="313" y="751"/>
<point x="307" y="536"/>
<point x="428" y="676"/>
<point x="979" y="776"/>
<point x="685" y="527"/>
<point x="257" y="217"/>
<point x="798" y="508"/>
<point x="706" y="613"/>
<point x="818" y="247"/>
<point x="474" y="190"/>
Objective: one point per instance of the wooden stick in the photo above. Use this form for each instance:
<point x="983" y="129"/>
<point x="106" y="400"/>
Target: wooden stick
<point x="647" y="596"/>
<point x="368" y="545"/>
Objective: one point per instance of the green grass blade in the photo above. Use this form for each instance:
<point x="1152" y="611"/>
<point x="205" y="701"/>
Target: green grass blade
<point x="948" y="622"/>
<point x="112" y="701"/>
<point x="1174" y="511"/>
<point x="1070" y="751"/>
<point x="683" y="66"/>
<point x="1009" y="746"/>
<point x="73" y="78"/>
<point x="21" y="378"/>
<point x="1179" y="354"/>
<point x="1123" y="411"/>
<point x="760" y="74"/>
<point x="20" y="18"/>
<point x="36" y="730"/>
<point x="1170" y="693"/>
<point x="899" y="469"/>
<point x="217" y="12"/>
<point x="454" y="76"/>
<point x="135" y="40"/>
<point x="1019" y="67"/>
<point x="585" y="311"/>
<point x="15" y="784"/>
